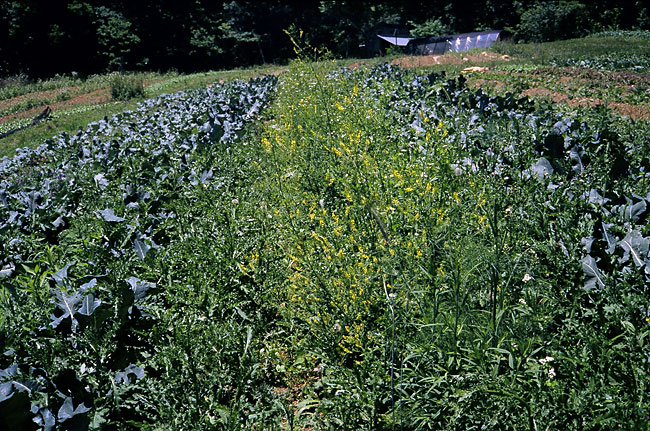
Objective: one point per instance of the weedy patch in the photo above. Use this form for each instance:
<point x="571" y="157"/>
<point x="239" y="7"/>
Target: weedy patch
<point x="398" y="249"/>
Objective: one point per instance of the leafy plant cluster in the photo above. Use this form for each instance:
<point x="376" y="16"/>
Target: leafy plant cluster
<point x="639" y="64"/>
<point x="384" y="250"/>
<point x="125" y="87"/>
<point x="447" y="255"/>
<point x="100" y="248"/>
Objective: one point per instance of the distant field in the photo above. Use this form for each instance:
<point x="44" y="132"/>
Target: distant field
<point x="76" y="102"/>
<point x="611" y="70"/>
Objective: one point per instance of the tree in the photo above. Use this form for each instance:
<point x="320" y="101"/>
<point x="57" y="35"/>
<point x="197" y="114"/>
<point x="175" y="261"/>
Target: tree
<point x="553" y="20"/>
<point x="115" y="37"/>
<point x="430" y="27"/>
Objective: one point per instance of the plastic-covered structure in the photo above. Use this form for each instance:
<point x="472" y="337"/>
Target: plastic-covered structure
<point x="454" y="42"/>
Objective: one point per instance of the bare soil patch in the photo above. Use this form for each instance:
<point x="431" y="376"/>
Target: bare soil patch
<point x="622" y="77"/>
<point x="431" y="60"/>
<point x="637" y="112"/>
<point x="96" y="97"/>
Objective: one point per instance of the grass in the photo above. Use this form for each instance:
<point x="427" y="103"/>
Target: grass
<point x="381" y="249"/>
<point x="592" y="46"/>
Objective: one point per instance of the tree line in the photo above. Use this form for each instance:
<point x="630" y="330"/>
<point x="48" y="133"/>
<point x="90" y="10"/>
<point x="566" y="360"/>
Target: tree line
<point x="41" y="39"/>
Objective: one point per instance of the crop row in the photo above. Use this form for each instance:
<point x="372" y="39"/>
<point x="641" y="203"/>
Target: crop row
<point x="81" y="218"/>
<point x="385" y="249"/>
<point x="456" y="258"/>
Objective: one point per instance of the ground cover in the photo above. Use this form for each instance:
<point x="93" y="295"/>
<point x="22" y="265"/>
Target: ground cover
<point x="336" y="248"/>
<point x="446" y="252"/>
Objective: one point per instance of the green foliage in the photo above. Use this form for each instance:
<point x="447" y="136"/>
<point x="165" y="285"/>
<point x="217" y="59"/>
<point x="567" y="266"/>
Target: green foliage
<point x="554" y="20"/>
<point x="126" y="87"/>
<point x="431" y="27"/>
<point x="384" y="249"/>
<point x="115" y="37"/>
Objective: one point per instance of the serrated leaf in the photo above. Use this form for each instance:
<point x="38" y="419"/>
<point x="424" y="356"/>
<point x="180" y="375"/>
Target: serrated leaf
<point x="592" y="274"/>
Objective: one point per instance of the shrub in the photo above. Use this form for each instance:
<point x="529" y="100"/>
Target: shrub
<point x="553" y="21"/>
<point x="126" y="87"/>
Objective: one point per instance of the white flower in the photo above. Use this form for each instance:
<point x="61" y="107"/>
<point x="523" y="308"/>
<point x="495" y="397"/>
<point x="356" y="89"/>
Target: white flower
<point x="522" y="301"/>
<point x="546" y="360"/>
<point x="526" y="278"/>
<point x="551" y="373"/>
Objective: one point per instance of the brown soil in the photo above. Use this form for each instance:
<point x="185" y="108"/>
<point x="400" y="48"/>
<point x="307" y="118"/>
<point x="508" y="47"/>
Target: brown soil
<point x="431" y="60"/>
<point x="8" y="103"/>
<point x="487" y="83"/>
<point x="97" y="97"/>
<point x="356" y="65"/>
<point x="638" y="112"/>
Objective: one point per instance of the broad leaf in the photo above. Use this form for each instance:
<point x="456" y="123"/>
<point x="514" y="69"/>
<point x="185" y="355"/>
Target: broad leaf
<point x="139" y="287"/>
<point x="87" y="286"/>
<point x="6" y="271"/>
<point x="609" y="238"/>
<point x="634" y="211"/>
<point x="141" y="248"/>
<point x="576" y="155"/>
<point x="6" y="391"/>
<point x="89" y="304"/>
<point x="542" y="168"/>
<point x="123" y="376"/>
<point x="100" y="181"/>
<point x="61" y="275"/>
<point x="44" y="418"/>
<point x="67" y="410"/>
<point x="66" y="303"/>
<point x="636" y="247"/>
<point x="109" y="215"/>
<point x="592" y="274"/>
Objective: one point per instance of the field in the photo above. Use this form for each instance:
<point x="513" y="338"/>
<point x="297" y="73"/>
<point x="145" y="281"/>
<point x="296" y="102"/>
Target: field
<point x="459" y="245"/>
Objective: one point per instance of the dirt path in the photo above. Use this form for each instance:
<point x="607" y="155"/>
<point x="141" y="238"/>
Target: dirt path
<point x="97" y="97"/>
